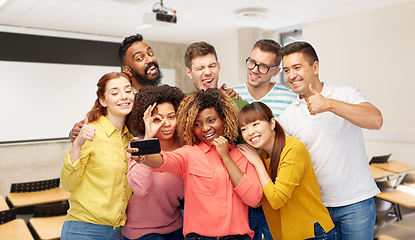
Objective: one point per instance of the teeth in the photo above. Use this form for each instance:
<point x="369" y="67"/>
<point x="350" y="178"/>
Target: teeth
<point x="254" y="139"/>
<point x="209" y="135"/>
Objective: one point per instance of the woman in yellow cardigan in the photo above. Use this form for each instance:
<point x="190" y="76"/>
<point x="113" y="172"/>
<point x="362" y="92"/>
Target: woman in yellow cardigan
<point x="292" y="202"/>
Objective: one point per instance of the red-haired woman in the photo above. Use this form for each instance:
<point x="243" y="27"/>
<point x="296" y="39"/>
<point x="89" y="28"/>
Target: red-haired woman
<point x="95" y="171"/>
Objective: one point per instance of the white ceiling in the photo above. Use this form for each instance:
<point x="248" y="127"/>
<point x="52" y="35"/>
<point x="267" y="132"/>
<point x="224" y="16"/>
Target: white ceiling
<point x="208" y="20"/>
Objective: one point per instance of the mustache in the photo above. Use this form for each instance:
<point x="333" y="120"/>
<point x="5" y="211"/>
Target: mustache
<point x="150" y="65"/>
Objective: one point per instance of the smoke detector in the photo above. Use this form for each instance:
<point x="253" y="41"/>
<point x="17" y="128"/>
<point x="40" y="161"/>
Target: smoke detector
<point x="250" y="14"/>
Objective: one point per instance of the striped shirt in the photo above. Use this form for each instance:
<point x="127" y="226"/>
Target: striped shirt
<point x="277" y="99"/>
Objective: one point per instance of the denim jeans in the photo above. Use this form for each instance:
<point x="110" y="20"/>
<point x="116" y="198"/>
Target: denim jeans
<point x="176" y="235"/>
<point x="355" y="221"/>
<point x="195" y="236"/>
<point x="88" y="231"/>
<point x="320" y="234"/>
<point x="258" y="223"/>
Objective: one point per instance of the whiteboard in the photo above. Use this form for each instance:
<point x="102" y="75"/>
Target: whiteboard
<point x="44" y="100"/>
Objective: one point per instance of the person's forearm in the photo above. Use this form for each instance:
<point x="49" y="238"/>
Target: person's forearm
<point x="75" y="153"/>
<point x="262" y="174"/>
<point x="234" y="172"/>
<point x="153" y="160"/>
<point x="363" y="115"/>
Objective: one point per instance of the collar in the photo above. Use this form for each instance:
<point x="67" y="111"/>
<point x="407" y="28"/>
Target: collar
<point x="327" y="90"/>
<point x="108" y="127"/>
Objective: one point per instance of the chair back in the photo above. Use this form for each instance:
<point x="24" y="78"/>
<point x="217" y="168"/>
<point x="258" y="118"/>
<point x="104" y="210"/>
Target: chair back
<point x="50" y="210"/>
<point x="8" y="215"/>
<point x="35" y="186"/>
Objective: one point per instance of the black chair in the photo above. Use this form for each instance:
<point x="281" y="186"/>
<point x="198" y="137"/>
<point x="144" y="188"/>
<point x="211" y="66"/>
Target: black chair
<point x="12" y="228"/>
<point x="35" y="186"/>
<point x="8" y="215"/>
<point x="47" y="220"/>
<point x="380" y="159"/>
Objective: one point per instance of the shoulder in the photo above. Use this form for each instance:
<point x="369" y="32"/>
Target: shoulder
<point x="239" y="87"/>
<point x="348" y="94"/>
<point x="294" y="143"/>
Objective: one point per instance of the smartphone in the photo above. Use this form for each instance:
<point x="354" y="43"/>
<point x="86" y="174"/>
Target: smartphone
<point x="146" y="146"/>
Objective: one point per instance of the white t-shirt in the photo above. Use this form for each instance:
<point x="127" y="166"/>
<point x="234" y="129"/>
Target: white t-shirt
<point x="277" y="99"/>
<point x="336" y="147"/>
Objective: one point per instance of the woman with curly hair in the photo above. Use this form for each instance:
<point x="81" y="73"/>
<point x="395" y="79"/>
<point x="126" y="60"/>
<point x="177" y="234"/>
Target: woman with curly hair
<point x="220" y="183"/>
<point x="153" y="208"/>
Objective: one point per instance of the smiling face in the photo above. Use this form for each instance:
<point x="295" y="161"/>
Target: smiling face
<point x="118" y="97"/>
<point x="204" y="72"/>
<point x="166" y="111"/>
<point x="254" y="77"/>
<point x="141" y="64"/>
<point x="208" y="125"/>
<point x="299" y="74"/>
<point x="259" y="134"/>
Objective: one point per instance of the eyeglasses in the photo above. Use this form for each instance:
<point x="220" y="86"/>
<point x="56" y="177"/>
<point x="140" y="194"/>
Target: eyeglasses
<point x="261" y="68"/>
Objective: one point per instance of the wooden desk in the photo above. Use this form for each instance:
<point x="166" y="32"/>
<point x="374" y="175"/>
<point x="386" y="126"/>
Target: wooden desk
<point x="16" y="230"/>
<point x="394" y="166"/>
<point x="48" y="227"/>
<point x="3" y="204"/>
<point x="379" y="173"/>
<point x="402" y="195"/>
<point x="41" y="197"/>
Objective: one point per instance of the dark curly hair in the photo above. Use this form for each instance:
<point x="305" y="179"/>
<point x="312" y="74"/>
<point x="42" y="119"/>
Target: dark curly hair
<point x="126" y="43"/>
<point x="149" y="95"/>
<point x="198" y="101"/>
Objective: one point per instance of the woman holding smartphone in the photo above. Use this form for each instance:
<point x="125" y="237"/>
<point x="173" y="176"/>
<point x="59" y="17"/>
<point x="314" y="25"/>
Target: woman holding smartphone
<point x="292" y="203"/>
<point x="95" y="169"/>
<point x="220" y="183"/>
<point x="153" y="208"/>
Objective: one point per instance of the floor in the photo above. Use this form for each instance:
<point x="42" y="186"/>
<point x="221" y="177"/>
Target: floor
<point x="402" y="230"/>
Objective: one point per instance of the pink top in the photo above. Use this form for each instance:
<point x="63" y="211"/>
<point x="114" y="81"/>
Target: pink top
<point x="213" y="207"/>
<point x="153" y="205"/>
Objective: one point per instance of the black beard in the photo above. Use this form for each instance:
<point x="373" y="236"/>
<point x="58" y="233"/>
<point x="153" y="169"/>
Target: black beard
<point x="144" y="80"/>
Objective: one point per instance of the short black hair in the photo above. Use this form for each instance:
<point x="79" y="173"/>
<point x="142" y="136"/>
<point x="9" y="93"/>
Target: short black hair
<point x="309" y="53"/>
<point x="126" y="43"/>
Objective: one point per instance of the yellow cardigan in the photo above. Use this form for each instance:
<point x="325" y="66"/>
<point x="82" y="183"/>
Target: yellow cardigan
<point x="293" y="203"/>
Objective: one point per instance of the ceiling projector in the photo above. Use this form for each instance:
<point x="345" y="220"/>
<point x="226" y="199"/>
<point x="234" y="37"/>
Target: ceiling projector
<point x="159" y="18"/>
<point x="160" y="15"/>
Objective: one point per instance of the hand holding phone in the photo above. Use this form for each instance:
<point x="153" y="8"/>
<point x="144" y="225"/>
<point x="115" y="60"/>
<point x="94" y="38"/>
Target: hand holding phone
<point x="146" y="146"/>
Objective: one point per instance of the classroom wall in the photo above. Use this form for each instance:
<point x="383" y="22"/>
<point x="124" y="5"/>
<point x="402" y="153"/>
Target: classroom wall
<point x="40" y="160"/>
<point x="375" y="52"/>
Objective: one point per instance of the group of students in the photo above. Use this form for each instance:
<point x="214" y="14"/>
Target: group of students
<point x="200" y="162"/>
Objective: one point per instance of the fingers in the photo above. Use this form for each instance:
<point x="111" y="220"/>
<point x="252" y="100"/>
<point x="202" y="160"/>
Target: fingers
<point x="87" y="132"/>
<point x="140" y="158"/>
<point x="314" y="92"/>
<point x="86" y="120"/>
<point x="223" y="87"/>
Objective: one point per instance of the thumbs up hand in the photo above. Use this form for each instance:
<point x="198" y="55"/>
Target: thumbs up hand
<point x="316" y="103"/>
<point x="87" y="133"/>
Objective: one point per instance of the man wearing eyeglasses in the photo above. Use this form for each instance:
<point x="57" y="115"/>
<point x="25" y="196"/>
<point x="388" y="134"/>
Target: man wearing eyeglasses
<point x="262" y="65"/>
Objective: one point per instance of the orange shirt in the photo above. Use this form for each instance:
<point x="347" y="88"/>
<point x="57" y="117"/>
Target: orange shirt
<point x="213" y="207"/>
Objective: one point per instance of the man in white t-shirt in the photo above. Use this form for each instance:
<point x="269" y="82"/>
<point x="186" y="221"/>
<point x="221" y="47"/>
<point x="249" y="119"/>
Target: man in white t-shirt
<point x="262" y="65"/>
<point x="329" y="121"/>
